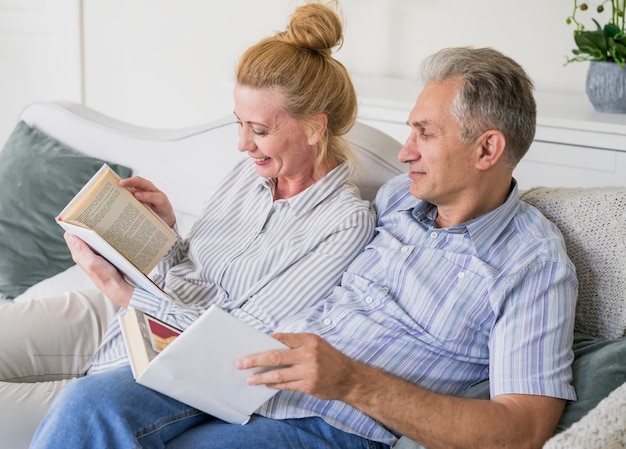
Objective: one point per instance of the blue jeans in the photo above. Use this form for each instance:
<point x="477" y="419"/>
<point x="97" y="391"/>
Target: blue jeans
<point x="110" y="410"/>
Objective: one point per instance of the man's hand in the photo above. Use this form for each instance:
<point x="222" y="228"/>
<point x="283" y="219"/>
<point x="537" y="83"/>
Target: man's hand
<point x="104" y="275"/>
<point x="312" y="366"/>
<point x="147" y="193"/>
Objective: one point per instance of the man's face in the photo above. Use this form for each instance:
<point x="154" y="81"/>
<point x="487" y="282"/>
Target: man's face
<point x="441" y="166"/>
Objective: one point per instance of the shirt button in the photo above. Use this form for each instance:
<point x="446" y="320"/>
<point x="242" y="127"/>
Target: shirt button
<point x="404" y="249"/>
<point x="433" y="235"/>
<point x="461" y="275"/>
<point x="369" y="299"/>
<point x="327" y="321"/>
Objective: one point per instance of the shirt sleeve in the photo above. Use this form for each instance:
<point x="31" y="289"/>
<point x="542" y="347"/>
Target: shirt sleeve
<point x="531" y="343"/>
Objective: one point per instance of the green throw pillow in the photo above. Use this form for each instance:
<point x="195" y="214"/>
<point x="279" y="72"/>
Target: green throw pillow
<point x="599" y="368"/>
<point x="38" y="177"/>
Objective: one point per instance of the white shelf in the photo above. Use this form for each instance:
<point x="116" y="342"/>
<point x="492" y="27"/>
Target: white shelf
<point x="576" y="112"/>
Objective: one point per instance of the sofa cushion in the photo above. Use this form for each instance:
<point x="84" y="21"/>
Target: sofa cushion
<point x="593" y="223"/>
<point x="38" y="177"/>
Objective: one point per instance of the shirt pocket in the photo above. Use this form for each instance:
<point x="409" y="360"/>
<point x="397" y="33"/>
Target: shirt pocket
<point x="453" y="300"/>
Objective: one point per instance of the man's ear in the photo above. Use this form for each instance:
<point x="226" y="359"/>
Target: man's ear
<point x="319" y="122"/>
<point x="490" y="148"/>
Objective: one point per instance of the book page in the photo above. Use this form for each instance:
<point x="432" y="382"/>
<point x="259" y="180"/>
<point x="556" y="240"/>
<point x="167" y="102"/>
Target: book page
<point x="118" y="217"/>
<point x="161" y="334"/>
<point x="145" y="337"/>
<point x="133" y="274"/>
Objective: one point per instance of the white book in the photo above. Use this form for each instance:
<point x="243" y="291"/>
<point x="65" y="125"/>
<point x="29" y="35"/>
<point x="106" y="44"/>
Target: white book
<point x="198" y="366"/>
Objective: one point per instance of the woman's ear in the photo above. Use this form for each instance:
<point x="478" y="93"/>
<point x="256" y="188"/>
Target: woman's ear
<point x="491" y="146"/>
<point x="319" y="122"/>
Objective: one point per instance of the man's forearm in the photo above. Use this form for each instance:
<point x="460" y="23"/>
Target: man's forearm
<point x="439" y="421"/>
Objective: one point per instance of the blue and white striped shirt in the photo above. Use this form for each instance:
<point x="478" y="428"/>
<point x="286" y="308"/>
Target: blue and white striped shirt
<point x="447" y="308"/>
<point x="259" y="259"/>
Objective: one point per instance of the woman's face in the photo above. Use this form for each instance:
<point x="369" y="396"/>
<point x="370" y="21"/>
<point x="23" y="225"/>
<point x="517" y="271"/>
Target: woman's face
<point x="280" y="146"/>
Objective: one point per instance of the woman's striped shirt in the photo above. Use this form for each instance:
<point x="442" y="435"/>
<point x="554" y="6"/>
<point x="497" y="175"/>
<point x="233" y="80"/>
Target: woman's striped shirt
<point x="259" y="259"/>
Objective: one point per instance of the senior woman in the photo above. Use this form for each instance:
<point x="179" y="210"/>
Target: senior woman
<point x="273" y="239"/>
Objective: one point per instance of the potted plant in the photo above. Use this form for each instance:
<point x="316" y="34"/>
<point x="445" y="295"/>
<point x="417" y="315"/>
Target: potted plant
<point x="605" y="48"/>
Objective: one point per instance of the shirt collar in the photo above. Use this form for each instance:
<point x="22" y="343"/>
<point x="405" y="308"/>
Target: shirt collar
<point x="483" y="230"/>
<point x="306" y="200"/>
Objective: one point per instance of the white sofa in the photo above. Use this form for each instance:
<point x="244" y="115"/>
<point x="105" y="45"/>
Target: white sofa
<point x="187" y="164"/>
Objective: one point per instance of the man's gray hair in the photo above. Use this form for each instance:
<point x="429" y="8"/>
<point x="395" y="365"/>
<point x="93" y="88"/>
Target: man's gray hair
<point x="494" y="93"/>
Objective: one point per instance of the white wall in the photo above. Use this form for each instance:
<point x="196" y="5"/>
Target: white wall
<point x="39" y="55"/>
<point x="168" y="63"/>
<point x="390" y="37"/>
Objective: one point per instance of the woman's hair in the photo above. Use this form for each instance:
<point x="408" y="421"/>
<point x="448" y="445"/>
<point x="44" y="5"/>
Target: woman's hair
<point x="299" y="62"/>
<point x="494" y="93"/>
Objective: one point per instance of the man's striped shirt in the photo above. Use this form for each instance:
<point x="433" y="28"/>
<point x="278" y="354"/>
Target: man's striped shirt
<point x="447" y="308"/>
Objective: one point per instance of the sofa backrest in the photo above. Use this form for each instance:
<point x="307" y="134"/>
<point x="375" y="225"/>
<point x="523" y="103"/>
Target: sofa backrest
<point x="197" y="156"/>
<point x="592" y="220"/>
<point x="593" y="223"/>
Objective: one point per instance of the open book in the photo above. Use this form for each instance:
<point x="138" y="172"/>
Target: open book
<point x="197" y="366"/>
<point x="119" y="227"/>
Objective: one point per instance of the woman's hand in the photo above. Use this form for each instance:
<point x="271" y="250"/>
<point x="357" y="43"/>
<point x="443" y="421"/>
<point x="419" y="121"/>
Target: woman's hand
<point x="147" y="193"/>
<point x="104" y="275"/>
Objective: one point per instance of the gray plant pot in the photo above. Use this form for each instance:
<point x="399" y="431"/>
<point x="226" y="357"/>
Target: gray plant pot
<point x="606" y="86"/>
